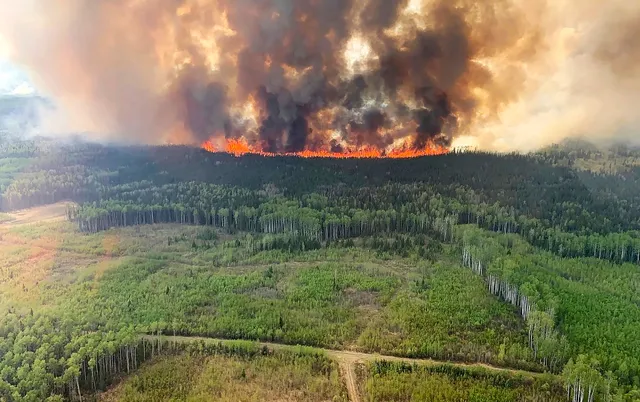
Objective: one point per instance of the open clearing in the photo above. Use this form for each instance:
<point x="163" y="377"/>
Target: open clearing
<point x="47" y="213"/>
<point x="355" y="300"/>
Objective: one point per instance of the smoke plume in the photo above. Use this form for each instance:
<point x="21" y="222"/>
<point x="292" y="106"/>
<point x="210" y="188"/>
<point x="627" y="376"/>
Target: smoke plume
<point x="291" y="75"/>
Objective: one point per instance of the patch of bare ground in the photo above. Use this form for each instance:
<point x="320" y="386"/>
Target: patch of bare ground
<point x="366" y="301"/>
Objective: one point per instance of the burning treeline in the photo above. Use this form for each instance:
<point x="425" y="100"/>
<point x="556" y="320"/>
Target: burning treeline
<point x="373" y="77"/>
<point x="287" y="76"/>
<point x="378" y="77"/>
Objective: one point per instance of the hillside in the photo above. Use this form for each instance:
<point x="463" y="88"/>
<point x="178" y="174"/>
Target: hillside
<point x="522" y="262"/>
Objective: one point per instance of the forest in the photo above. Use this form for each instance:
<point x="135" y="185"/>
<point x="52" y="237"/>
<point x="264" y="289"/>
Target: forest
<point x="521" y="261"/>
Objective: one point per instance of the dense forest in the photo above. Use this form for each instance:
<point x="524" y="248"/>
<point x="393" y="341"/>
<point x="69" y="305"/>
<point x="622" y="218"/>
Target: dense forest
<point x="521" y="261"/>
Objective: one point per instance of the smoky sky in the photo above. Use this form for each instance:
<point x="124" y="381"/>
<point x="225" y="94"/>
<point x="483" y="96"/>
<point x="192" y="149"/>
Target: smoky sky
<point x="299" y="74"/>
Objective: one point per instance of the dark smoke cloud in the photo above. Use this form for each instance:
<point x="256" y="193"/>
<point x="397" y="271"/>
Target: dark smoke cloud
<point x="432" y="117"/>
<point x="308" y="36"/>
<point x="282" y="73"/>
<point x="378" y="15"/>
<point x="367" y="132"/>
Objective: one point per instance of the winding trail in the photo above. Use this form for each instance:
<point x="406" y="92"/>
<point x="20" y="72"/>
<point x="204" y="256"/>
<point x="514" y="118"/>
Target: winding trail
<point x="347" y="360"/>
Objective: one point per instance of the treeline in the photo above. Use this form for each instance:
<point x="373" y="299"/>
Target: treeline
<point x="278" y="215"/>
<point x="547" y="345"/>
<point x="341" y="214"/>
<point x="572" y="307"/>
<point x="555" y="207"/>
<point x="30" y="189"/>
<point x="530" y="185"/>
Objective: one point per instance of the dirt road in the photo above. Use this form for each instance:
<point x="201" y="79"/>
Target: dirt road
<point x="349" y="375"/>
<point x="348" y="360"/>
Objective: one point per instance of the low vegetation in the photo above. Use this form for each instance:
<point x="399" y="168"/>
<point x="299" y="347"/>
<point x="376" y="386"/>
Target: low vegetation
<point x="401" y="382"/>
<point x="4" y="218"/>
<point x="283" y="376"/>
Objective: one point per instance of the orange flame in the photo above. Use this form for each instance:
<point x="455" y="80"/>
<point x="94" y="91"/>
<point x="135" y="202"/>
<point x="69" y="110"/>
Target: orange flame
<point x="239" y="147"/>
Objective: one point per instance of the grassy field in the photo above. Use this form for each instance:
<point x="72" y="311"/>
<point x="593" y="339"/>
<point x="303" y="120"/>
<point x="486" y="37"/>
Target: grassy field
<point x="278" y="377"/>
<point x="447" y="314"/>
<point x="193" y="281"/>
<point x="40" y="262"/>
<point x="196" y="281"/>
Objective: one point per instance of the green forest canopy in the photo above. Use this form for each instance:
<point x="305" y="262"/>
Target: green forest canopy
<point x="555" y="234"/>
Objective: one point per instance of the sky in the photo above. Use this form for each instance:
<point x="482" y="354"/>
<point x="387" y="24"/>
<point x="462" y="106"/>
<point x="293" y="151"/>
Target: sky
<point x="13" y="80"/>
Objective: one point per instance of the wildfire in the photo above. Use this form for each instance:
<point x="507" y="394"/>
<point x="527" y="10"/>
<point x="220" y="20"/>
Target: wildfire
<point x="239" y="147"/>
<point x="299" y="76"/>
